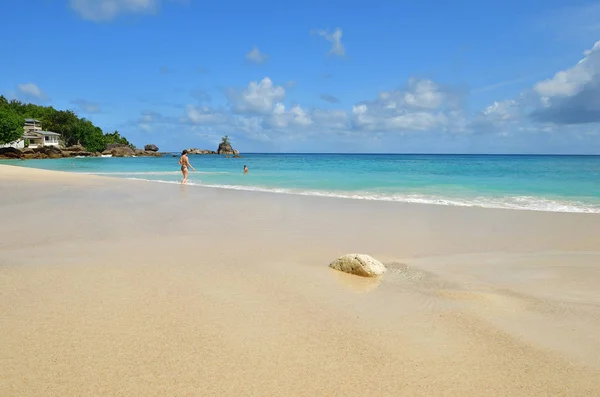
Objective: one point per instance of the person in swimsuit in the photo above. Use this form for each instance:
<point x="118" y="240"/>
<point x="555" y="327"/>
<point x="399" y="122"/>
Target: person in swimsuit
<point x="185" y="163"/>
<point x="245" y="170"/>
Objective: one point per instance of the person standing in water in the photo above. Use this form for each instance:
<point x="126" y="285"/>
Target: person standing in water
<point x="185" y="163"/>
<point x="245" y="169"/>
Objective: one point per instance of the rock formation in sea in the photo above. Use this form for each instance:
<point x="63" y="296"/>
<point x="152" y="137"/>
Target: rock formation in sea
<point x="200" y="151"/>
<point x="225" y="148"/>
<point x="151" y="148"/>
<point x="359" y="264"/>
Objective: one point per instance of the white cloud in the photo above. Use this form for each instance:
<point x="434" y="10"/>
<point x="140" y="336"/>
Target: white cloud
<point x="501" y="117"/>
<point x="31" y="90"/>
<point x="261" y="112"/>
<point x="571" y="96"/>
<point x="335" y="38"/>
<point x="254" y="55"/>
<point x="422" y="106"/>
<point x="282" y="118"/>
<point x="106" y="10"/>
<point x="423" y="94"/>
<point x="569" y="82"/>
<point x="502" y="111"/>
<point x="258" y="98"/>
<point x="205" y="115"/>
<point x="330" y="119"/>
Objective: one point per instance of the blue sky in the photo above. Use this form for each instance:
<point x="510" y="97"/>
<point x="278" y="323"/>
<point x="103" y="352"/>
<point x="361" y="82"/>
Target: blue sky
<point x="316" y="76"/>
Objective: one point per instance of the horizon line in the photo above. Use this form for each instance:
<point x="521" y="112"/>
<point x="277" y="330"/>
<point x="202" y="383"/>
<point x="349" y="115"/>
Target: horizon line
<point x="415" y="153"/>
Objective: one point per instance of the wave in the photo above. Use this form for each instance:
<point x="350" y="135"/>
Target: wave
<point x="527" y="203"/>
<point x="150" y="173"/>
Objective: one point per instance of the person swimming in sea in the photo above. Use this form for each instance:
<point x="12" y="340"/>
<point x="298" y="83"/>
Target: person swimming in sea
<point x="185" y="163"/>
<point x="245" y="169"/>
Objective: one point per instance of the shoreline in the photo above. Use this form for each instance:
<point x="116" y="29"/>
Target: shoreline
<point x="109" y="287"/>
<point x="516" y="203"/>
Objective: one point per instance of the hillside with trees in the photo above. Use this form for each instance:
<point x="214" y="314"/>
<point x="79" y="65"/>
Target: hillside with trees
<point x="73" y="129"/>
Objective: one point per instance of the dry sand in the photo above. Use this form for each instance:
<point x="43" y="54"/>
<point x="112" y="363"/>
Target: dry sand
<point x="126" y="288"/>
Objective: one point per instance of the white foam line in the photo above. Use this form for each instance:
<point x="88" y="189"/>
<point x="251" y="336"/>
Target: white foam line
<point x="151" y="173"/>
<point x="522" y="203"/>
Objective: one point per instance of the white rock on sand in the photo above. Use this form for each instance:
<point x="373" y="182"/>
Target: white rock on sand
<point x="359" y="264"/>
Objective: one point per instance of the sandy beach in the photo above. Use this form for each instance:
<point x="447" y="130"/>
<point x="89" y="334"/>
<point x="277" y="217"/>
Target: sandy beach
<point x="112" y="287"/>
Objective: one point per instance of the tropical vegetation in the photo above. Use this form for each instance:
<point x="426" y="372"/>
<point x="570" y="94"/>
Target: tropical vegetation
<point x="74" y="130"/>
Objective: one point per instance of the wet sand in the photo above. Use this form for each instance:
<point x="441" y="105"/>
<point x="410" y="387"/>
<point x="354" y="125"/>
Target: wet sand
<point x="117" y="287"/>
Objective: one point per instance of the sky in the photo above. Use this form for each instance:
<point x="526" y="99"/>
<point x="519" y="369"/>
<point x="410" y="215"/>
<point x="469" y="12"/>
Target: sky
<point x="425" y="76"/>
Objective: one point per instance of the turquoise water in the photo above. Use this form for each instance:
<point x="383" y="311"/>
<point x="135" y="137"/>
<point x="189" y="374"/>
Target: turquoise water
<point x="547" y="183"/>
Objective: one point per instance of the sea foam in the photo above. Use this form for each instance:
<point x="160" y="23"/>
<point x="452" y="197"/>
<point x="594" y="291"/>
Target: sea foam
<point x="528" y="203"/>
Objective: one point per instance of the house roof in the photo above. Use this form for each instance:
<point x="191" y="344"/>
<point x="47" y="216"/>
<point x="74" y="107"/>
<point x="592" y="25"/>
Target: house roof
<point x="47" y="133"/>
<point x="32" y="121"/>
<point x="31" y="134"/>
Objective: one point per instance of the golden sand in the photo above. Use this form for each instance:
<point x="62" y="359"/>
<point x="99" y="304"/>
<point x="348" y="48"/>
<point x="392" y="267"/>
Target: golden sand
<point x="125" y="288"/>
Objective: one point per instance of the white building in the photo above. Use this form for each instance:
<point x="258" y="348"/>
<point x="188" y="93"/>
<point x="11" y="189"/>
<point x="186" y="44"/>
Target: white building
<point x="41" y="138"/>
<point x="35" y="136"/>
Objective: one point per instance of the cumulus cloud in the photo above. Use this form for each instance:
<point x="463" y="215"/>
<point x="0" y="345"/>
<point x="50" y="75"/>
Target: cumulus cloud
<point x="257" y="98"/>
<point x="329" y="98"/>
<point x="254" y="55"/>
<point x="571" y="96"/>
<point x="106" y="10"/>
<point x="205" y="115"/>
<point x="501" y="117"/>
<point x="87" y="106"/>
<point x="330" y="120"/>
<point x="31" y="90"/>
<point x="261" y="111"/>
<point x="335" y="38"/>
<point x="282" y="118"/>
<point x="423" y="105"/>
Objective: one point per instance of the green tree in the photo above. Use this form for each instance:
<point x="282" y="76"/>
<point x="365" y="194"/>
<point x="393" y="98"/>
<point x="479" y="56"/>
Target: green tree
<point x="225" y="140"/>
<point x="73" y="130"/>
<point x="115" y="137"/>
<point x="11" y="125"/>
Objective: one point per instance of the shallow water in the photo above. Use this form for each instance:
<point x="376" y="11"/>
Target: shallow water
<point x="546" y="183"/>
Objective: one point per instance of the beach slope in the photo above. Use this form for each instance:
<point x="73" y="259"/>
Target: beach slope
<point x="118" y="287"/>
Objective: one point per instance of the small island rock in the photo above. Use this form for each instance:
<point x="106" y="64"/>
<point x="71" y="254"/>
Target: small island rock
<point x="359" y="264"/>
<point x="151" y="148"/>
<point x="200" y="151"/>
<point x="225" y="148"/>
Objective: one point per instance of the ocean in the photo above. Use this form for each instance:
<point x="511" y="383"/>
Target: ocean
<point x="520" y="182"/>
